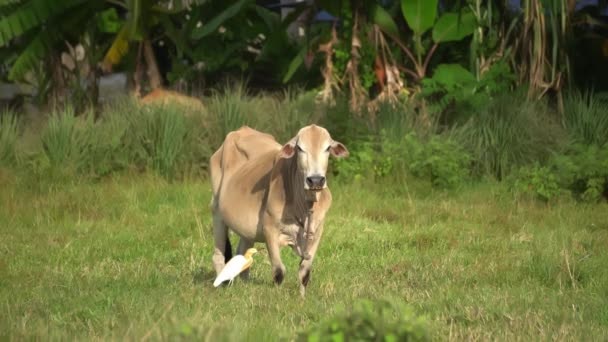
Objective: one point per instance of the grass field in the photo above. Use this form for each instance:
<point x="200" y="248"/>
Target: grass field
<point x="129" y="257"/>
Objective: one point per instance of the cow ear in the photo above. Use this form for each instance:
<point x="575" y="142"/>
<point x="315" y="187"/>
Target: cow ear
<point x="338" y="150"/>
<point x="289" y="149"/>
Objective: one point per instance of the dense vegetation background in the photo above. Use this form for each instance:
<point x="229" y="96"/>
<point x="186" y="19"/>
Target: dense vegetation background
<point x="441" y="103"/>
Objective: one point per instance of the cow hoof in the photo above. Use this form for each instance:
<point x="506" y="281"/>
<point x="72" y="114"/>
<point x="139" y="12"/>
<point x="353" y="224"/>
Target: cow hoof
<point x="278" y="277"/>
<point x="305" y="279"/>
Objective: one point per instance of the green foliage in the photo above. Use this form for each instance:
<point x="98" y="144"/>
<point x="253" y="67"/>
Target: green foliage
<point x="9" y="133"/>
<point x="539" y="181"/>
<point x="419" y="14"/>
<point x="453" y="91"/>
<point x="439" y="160"/>
<point x="454" y="27"/>
<point x="586" y="117"/>
<point x="508" y="133"/>
<point x="370" y="321"/>
<point x="583" y="169"/>
<point x="382" y="18"/>
<point x="220" y="18"/>
<point x="366" y="161"/>
<point x="28" y="21"/>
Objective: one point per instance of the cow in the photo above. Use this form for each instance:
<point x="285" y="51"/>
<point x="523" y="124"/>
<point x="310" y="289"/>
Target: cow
<point x="268" y="192"/>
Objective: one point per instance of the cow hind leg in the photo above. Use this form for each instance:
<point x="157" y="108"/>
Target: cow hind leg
<point x="223" y="250"/>
<point x="243" y="246"/>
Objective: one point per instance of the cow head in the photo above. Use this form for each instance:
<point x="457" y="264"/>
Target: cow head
<point x="312" y="147"/>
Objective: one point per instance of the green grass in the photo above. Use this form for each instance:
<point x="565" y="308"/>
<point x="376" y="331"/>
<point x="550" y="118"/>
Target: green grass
<point x="129" y="257"/>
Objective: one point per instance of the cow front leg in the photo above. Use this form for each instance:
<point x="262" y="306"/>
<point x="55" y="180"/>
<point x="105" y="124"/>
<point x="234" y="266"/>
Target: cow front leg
<point x="274" y="253"/>
<point x="243" y="246"/>
<point x="308" y="257"/>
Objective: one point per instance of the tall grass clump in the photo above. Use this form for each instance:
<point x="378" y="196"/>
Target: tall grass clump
<point x="9" y="134"/>
<point x="508" y="133"/>
<point x="159" y="138"/>
<point x="229" y="109"/>
<point x="290" y="112"/>
<point x="67" y="140"/>
<point x="585" y="117"/>
<point x="85" y="145"/>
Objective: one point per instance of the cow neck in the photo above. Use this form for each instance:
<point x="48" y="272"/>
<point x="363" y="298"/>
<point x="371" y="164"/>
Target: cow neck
<point x="303" y="203"/>
<point x="302" y="200"/>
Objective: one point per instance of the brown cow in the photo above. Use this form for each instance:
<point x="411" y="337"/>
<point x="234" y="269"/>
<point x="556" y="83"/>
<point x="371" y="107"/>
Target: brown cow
<point x="270" y="193"/>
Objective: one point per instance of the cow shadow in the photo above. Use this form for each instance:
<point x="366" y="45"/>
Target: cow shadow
<point x="203" y="275"/>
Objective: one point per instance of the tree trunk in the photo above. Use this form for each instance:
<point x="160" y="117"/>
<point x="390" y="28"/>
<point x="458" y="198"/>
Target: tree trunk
<point x="58" y="90"/>
<point x="152" y="66"/>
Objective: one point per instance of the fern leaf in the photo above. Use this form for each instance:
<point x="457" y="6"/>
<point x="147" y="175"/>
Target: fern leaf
<point x="119" y="47"/>
<point x="29" y="15"/>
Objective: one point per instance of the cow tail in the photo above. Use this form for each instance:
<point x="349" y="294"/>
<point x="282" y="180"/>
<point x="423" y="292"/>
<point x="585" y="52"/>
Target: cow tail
<point x="228" y="250"/>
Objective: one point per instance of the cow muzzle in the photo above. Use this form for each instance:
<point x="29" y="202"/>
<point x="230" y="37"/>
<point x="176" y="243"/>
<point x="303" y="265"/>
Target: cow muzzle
<point x="315" y="182"/>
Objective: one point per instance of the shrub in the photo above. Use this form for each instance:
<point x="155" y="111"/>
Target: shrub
<point x="370" y="321"/>
<point x="539" y="181"/>
<point x="440" y="160"/>
<point x="9" y="133"/>
<point x="585" y="118"/>
<point x="509" y="133"/>
<point x="365" y="161"/>
<point x="584" y="171"/>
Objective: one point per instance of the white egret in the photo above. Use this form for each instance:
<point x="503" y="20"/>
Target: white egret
<point x="235" y="266"/>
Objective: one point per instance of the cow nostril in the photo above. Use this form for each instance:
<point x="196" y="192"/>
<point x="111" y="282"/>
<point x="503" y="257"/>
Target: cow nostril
<point x="315" y="181"/>
<point x="309" y="181"/>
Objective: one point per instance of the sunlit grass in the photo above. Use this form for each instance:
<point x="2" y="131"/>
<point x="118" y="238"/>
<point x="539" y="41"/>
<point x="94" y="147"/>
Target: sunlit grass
<point x="129" y="257"/>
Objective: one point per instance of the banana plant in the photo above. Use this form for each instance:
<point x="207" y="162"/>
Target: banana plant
<point x="35" y="27"/>
<point x="143" y="17"/>
<point x="422" y="17"/>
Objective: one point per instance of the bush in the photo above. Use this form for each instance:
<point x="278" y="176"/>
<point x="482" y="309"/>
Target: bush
<point x="9" y="133"/>
<point x="440" y="160"/>
<point x="584" y="171"/>
<point x="539" y="181"/>
<point x="370" y="321"/>
<point x="509" y="133"/>
<point x="586" y="118"/>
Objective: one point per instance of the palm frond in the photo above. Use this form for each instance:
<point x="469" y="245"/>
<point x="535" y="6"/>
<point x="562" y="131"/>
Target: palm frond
<point x="32" y="54"/>
<point x="29" y="15"/>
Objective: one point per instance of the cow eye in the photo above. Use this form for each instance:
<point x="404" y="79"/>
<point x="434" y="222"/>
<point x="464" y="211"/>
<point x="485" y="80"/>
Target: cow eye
<point x="327" y="149"/>
<point x="299" y="148"/>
